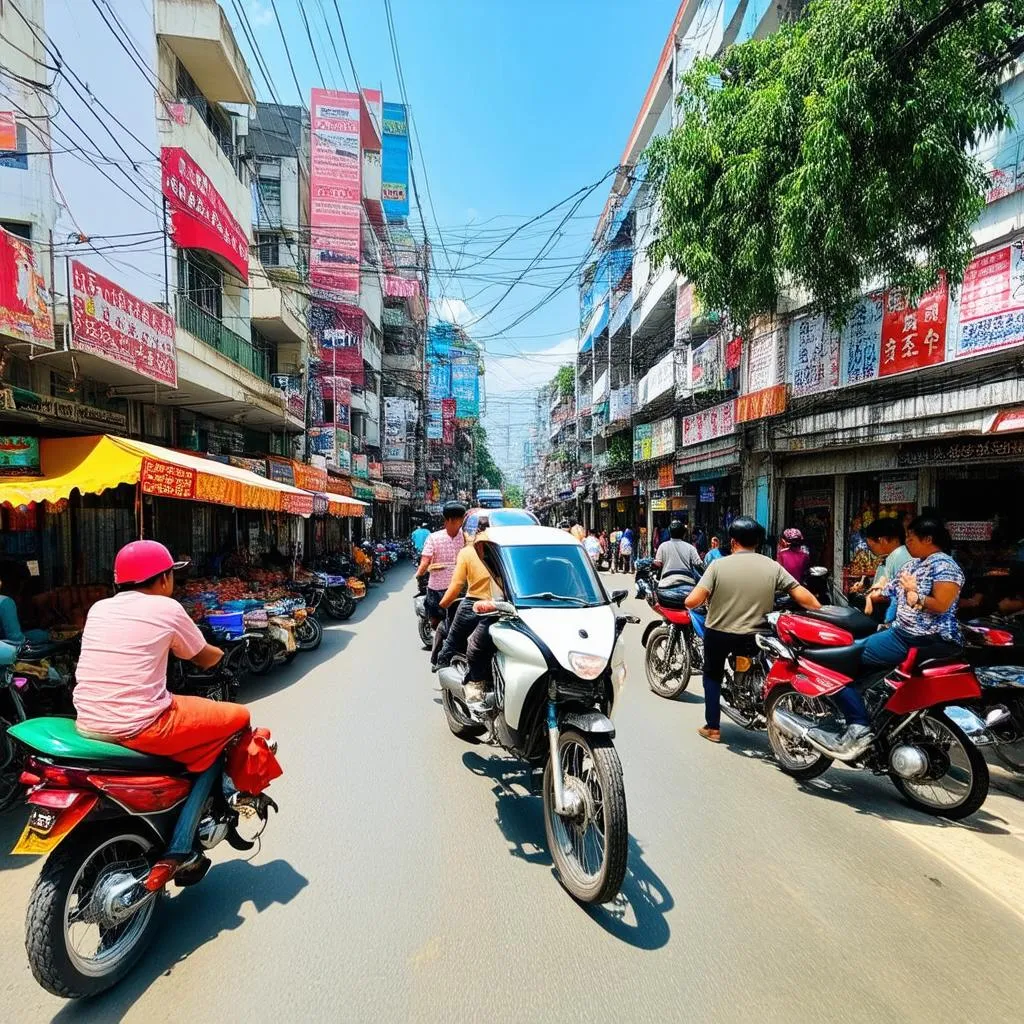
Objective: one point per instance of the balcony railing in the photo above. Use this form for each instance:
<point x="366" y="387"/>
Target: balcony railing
<point x="208" y="329"/>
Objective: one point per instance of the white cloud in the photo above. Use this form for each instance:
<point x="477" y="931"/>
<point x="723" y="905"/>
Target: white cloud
<point x="260" y="14"/>
<point x="510" y="373"/>
<point x="454" y="311"/>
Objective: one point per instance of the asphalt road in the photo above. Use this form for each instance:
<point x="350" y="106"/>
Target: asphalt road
<point x="406" y="879"/>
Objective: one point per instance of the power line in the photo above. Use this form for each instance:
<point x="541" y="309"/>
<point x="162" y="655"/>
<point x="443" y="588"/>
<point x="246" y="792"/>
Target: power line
<point x="309" y="36"/>
<point x="287" y="52"/>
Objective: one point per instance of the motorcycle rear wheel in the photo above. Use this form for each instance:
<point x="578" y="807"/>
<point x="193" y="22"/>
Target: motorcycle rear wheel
<point x="664" y="679"/>
<point x="339" y="606"/>
<point x="70" y="875"/>
<point x="309" y="634"/>
<point x="798" y="760"/>
<point x="590" y="851"/>
<point x="460" y="721"/>
<point x="260" y="653"/>
<point x="426" y="633"/>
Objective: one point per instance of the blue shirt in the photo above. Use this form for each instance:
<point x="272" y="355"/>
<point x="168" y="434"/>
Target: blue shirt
<point x="936" y="568"/>
<point x="712" y="556"/>
<point x="419" y="538"/>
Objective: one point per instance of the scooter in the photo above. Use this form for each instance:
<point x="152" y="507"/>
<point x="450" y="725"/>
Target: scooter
<point x="674" y="647"/>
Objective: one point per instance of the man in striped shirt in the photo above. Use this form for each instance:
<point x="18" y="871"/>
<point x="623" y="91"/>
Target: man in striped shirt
<point x="439" y="554"/>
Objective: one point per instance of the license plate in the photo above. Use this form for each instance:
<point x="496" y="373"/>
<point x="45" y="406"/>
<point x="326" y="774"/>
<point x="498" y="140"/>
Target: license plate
<point x="46" y="827"/>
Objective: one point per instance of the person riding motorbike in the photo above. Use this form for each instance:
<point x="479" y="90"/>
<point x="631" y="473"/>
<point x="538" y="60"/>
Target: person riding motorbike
<point x="677" y="559"/>
<point x="121" y="691"/>
<point x="739" y="591"/>
<point x="438" y="559"/>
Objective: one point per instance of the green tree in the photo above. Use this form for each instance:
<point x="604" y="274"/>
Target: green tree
<point x="834" y="152"/>
<point x="565" y="381"/>
<point x="513" y="496"/>
<point x="487" y="472"/>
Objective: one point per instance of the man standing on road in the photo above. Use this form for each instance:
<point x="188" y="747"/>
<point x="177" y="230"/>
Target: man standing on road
<point x="439" y="554"/>
<point x="419" y="538"/>
<point x="714" y="552"/>
<point x="739" y="591"/>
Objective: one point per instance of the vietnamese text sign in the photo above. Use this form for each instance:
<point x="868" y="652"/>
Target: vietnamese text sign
<point x="718" y="421"/>
<point x="200" y="219"/>
<point x="335" y="194"/>
<point x="813" y="355"/>
<point x="25" y="313"/>
<point x="914" y="336"/>
<point x="111" y="323"/>
<point x="991" y="303"/>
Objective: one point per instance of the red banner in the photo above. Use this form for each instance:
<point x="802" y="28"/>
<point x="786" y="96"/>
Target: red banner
<point x="448" y="420"/>
<point x="667" y="475"/>
<point x="913" y="336"/>
<point x="335" y="194"/>
<point x="757" y="405"/>
<point x="338" y="330"/>
<point x="733" y="353"/>
<point x="309" y="478"/>
<point x="400" y="287"/>
<point x="109" y="322"/>
<point x="297" y="504"/>
<point x="24" y="299"/>
<point x="167" y="480"/>
<point x="200" y="219"/>
<point x="8" y="131"/>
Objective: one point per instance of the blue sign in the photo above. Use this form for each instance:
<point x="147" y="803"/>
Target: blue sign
<point x="395" y="162"/>
<point x="466" y="389"/>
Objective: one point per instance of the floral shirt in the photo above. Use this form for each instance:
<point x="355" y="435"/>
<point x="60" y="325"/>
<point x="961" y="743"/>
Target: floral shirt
<point x="936" y="568"/>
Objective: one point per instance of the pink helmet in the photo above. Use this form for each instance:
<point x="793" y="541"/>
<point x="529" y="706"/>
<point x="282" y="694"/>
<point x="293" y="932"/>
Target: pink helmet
<point x="143" y="560"/>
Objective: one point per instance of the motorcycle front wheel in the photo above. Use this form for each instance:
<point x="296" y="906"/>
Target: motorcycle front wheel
<point x="957" y="781"/>
<point x="309" y="634"/>
<point x="74" y="947"/>
<point x="667" y="678"/>
<point x="1009" y="738"/>
<point x="590" y="848"/>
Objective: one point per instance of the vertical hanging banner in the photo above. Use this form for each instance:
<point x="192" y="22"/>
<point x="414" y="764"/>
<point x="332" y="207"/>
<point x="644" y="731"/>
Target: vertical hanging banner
<point x="111" y="323"/>
<point x="813" y="355"/>
<point x="991" y="303"/>
<point x="448" y="409"/>
<point x="684" y="310"/>
<point x="335" y="186"/>
<point x="914" y="336"/>
<point x="861" y="343"/>
<point x="466" y="388"/>
<point x="200" y="219"/>
<point x="435" y="423"/>
<point x="24" y="298"/>
<point x="338" y="330"/>
<point x="395" y="162"/>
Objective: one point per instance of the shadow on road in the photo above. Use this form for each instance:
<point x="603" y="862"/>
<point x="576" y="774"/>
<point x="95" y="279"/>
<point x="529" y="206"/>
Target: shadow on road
<point x="190" y="920"/>
<point x="12" y="822"/>
<point x="636" y="916"/>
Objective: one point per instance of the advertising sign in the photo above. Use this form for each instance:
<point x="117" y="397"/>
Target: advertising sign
<point x="109" y="322"/>
<point x="707" y="369"/>
<point x="338" y="330"/>
<point x="758" y="405"/>
<point x="914" y="336"/>
<point x="666" y="475"/>
<point x="466" y="388"/>
<point x="321" y="441"/>
<point x="24" y="298"/>
<point x="707" y="493"/>
<point x="435" y="422"/>
<point x="335" y="194"/>
<point x="19" y="456"/>
<point x="361" y="466"/>
<point x="620" y="404"/>
<point x="861" y="342"/>
<point x="968" y="530"/>
<point x="663" y="437"/>
<point x="991" y="303"/>
<point x="200" y="219"/>
<point x="167" y="480"/>
<point x="813" y="355"/>
<point x="898" y="492"/>
<point x="765" y="358"/>
<point x="281" y="470"/>
<point x="395" y="162"/>
<point x="641" y="442"/>
<point x="343" y="449"/>
<point x="449" y="408"/>
<point x="718" y="421"/>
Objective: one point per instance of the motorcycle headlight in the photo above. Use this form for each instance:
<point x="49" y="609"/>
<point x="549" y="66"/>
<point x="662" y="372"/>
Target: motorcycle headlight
<point x="587" y="666"/>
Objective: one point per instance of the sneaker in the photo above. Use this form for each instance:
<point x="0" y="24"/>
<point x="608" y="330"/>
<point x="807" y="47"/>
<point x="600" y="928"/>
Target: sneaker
<point x="848" y="744"/>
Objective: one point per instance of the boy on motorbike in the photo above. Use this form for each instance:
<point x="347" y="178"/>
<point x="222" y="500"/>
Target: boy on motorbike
<point x="439" y="554"/>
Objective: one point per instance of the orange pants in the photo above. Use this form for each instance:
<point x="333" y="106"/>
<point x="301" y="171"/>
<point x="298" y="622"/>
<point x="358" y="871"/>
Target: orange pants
<point x="193" y="730"/>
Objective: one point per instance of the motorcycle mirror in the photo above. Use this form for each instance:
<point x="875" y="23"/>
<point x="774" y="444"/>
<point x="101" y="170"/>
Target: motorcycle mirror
<point x="618" y="596"/>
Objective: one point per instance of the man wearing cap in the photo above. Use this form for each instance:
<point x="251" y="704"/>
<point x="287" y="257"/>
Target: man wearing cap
<point x="439" y="554"/>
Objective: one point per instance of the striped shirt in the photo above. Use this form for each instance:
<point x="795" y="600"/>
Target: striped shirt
<point x="442" y="549"/>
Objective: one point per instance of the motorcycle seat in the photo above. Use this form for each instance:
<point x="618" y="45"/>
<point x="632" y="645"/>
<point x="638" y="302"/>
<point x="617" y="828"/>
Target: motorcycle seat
<point x="846" y="660"/>
<point x="674" y="597"/>
<point x="856" y="623"/>
<point x="59" y="739"/>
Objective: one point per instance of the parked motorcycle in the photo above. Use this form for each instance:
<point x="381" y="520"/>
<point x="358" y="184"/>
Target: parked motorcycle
<point x="104" y="814"/>
<point x="309" y="633"/>
<point x="913" y="709"/>
<point x="674" y="647"/>
<point x="270" y="645"/>
<point x="558" y="670"/>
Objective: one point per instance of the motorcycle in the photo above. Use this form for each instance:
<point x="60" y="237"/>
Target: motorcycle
<point x="309" y="633"/>
<point x="217" y="683"/>
<point x="674" y="647"/>
<point x="914" y="712"/>
<point x="558" y="669"/>
<point x="104" y="814"/>
<point x="423" y="628"/>
<point x="270" y="645"/>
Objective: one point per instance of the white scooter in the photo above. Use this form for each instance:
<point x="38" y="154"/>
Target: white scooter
<point x="558" y="670"/>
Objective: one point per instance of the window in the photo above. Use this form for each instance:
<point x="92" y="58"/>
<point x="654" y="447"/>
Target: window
<point x="201" y="281"/>
<point x="17" y="228"/>
<point x="269" y="211"/>
<point x="269" y="247"/>
<point x="563" y="570"/>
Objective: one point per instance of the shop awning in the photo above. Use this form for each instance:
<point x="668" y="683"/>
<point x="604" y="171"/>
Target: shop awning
<point x="95" y="464"/>
<point x="383" y="492"/>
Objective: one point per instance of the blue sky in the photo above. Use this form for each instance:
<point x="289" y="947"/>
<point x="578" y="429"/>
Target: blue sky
<point x="517" y="105"/>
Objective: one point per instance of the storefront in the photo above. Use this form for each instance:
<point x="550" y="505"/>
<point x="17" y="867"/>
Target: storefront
<point x="618" y="506"/>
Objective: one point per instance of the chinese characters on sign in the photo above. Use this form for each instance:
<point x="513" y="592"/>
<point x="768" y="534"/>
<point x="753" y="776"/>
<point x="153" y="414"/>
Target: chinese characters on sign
<point x="765" y="358"/>
<point x="913" y="336"/>
<point x="167" y="480"/>
<point x="24" y="298"/>
<point x="862" y="341"/>
<point x="109" y="322"/>
<point x="813" y="355"/>
<point x="200" y="219"/>
<point x="992" y="303"/>
<point x="718" y="421"/>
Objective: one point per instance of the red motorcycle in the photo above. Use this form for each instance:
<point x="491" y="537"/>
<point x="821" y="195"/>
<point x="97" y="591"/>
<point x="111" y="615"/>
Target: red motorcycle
<point x="674" y="647"/>
<point x="914" y="738"/>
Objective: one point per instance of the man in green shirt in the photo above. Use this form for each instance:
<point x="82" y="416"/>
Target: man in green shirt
<point x="739" y="591"/>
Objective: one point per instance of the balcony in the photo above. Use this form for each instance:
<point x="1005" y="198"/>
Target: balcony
<point x="200" y="36"/>
<point x="276" y="311"/>
<point x="208" y="329"/>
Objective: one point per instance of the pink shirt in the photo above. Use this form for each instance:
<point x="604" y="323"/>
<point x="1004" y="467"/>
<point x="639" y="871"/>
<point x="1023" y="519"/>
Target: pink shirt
<point x="443" y="550"/>
<point x="121" y="679"/>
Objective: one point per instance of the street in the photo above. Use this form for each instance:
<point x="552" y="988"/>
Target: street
<point x="406" y="877"/>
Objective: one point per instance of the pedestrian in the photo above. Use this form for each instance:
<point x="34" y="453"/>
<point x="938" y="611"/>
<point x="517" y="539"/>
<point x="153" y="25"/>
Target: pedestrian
<point x="626" y="551"/>
<point x="613" y="548"/>
<point x="593" y="546"/>
<point x="887" y="540"/>
<point x="419" y="537"/>
<point x="715" y="551"/>
<point x="793" y="555"/>
<point x="438" y="557"/>
<point x="739" y="592"/>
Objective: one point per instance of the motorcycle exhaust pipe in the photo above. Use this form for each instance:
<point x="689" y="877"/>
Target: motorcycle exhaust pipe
<point x="452" y="680"/>
<point x="796" y="728"/>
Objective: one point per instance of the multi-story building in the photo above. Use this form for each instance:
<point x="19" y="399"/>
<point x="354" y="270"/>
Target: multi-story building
<point x="788" y="418"/>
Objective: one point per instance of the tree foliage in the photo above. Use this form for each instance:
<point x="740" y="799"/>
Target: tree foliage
<point x="565" y="381"/>
<point x="513" y="496"/>
<point x="834" y="152"/>
<point x="487" y="472"/>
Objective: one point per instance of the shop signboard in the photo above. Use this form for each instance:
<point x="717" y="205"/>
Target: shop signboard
<point x="759" y="405"/>
<point x="620" y="404"/>
<point x="166" y="480"/>
<point x="707" y="366"/>
<point x="200" y="218"/>
<point x="898" y="492"/>
<point x="376" y="470"/>
<point x="309" y="478"/>
<point x="466" y="387"/>
<point x="663" y="437"/>
<point x="335" y="194"/>
<point x="399" y="426"/>
<point x="718" y="421"/>
<point x="113" y="324"/>
<point x="395" y="162"/>
<point x="19" y="456"/>
<point x="400" y="472"/>
<point x="861" y="342"/>
<point x="707" y="493"/>
<point x="945" y="452"/>
<point x="281" y="470"/>
<point x="1006" y="421"/>
<point x="641" y="442"/>
<point x="361" y="466"/>
<point x="968" y="530"/>
<point x="813" y="355"/>
<point x="667" y="475"/>
<point x="448" y="410"/>
<point x="435" y="422"/>
<point x="338" y="331"/>
<point x="25" y="313"/>
<point x="913" y="336"/>
<point x="991" y="303"/>
<point x="75" y="412"/>
<point x="257" y="466"/>
<point x="684" y="310"/>
<point x="765" y="358"/>
<point x="657" y="505"/>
